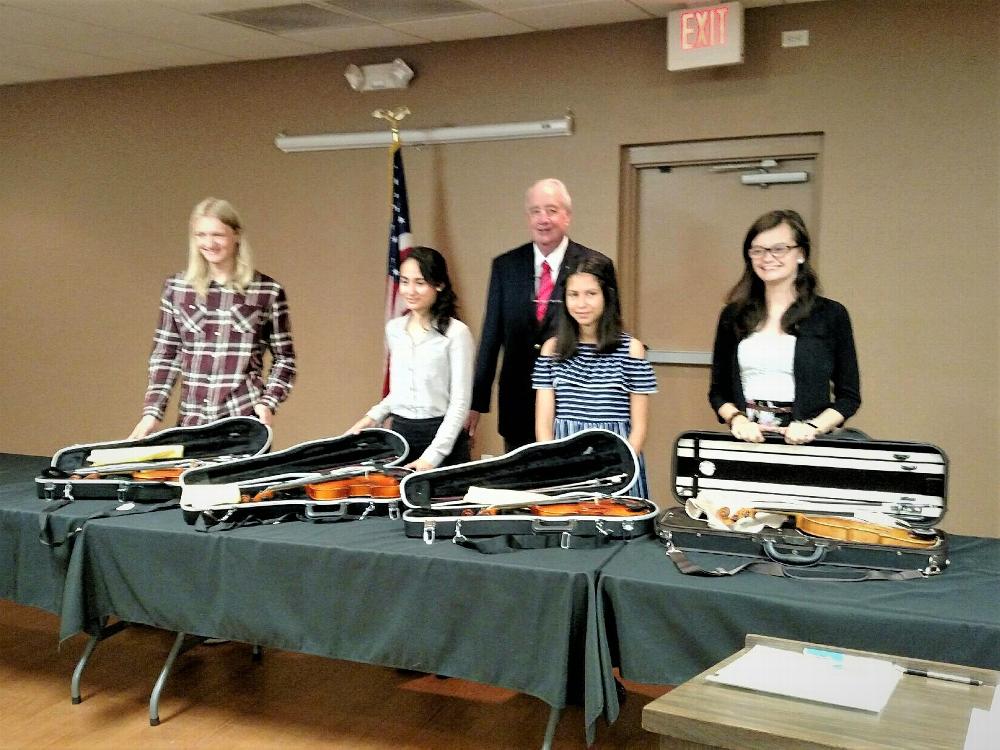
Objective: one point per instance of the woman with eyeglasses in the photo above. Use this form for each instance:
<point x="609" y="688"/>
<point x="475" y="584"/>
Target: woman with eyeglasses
<point x="784" y="358"/>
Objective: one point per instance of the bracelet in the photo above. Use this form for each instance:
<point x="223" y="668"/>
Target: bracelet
<point x="729" y="422"/>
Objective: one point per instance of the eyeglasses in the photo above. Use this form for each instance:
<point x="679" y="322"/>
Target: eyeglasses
<point x="778" y="251"/>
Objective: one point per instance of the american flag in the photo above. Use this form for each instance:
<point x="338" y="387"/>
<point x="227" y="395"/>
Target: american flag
<point x="400" y="243"/>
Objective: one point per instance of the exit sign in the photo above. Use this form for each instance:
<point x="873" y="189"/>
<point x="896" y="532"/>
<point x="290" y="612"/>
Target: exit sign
<point x="704" y="36"/>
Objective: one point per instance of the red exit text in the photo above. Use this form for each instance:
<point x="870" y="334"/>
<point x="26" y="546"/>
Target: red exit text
<point x="703" y="27"/>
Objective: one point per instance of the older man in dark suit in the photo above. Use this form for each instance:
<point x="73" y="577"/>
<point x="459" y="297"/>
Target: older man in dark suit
<point x="519" y="315"/>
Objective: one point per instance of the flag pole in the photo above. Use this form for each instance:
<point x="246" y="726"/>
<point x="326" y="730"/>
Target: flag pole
<point x="400" y="239"/>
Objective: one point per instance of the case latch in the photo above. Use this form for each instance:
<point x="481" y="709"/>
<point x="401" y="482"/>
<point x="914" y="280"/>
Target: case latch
<point x="908" y="506"/>
<point x="430" y="533"/>
<point x="367" y="511"/>
<point x="459" y="537"/>
<point x="565" y="539"/>
<point x="68" y="492"/>
<point x="122" y="492"/>
<point x="394" y="511"/>
<point x="934" y="566"/>
<point x="49" y="488"/>
<point x="601" y="529"/>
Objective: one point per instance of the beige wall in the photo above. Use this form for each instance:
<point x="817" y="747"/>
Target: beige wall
<point x="98" y="175"/>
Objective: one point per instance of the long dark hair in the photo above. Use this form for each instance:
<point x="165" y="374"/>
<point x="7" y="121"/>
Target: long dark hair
<point x="434" y="269"/>
<point x="609" y="325"/>
<point x="748" y="293"/>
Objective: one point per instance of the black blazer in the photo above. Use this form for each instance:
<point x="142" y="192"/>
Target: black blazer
<point x="824" y="354"/>
<point x="509" y="324"/>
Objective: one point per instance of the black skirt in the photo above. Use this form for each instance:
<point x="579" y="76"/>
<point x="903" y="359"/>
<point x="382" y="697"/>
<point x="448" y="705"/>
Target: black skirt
<point x="419" y="434"/>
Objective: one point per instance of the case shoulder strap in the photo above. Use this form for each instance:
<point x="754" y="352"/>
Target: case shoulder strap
<point x="687" y="567"/>
<point x="50" y="537"/>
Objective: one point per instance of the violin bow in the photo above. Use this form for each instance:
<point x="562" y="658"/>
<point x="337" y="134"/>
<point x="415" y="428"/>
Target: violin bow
<point x="828" y="507"/>
<point x="567" y="491"/>
<point x="578" y="498"/>
<point x="125" y="468"/>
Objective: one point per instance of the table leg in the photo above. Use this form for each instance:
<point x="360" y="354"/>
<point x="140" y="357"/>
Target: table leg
<point x="104" y="632"/>
<point x="550" y="729"/>
<point x="176" y="650"/>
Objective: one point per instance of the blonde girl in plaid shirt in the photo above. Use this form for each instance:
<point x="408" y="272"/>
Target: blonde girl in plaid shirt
<point x="216" y="321"/>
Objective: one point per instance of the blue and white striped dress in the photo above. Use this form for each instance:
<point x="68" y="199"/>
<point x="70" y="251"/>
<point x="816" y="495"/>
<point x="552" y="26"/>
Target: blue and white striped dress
<point x="592" y="390"/>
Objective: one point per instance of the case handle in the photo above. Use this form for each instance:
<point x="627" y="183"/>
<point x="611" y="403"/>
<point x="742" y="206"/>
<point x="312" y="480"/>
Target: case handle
<point x="793" y="559"/>
<point x="543" y="526"/>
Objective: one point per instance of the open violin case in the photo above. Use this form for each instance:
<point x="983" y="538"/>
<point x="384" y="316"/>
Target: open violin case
<point x="72" y="476"/>
<point x="848" y="509"/>
<point x="570" y="492"/>
<point x="332" y="479"/>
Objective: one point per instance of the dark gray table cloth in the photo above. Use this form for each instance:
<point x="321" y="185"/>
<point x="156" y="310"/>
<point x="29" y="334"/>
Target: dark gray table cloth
<point x="664" y="627"/>
<point x="360" y="591"/>
<point x="30" y="573"/>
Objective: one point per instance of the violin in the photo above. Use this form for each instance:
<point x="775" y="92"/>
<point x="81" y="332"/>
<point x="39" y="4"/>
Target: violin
<point x="375" y="485"/>
<point x="142" y="475"/>
<point x="380" y="485"/>
<point x="149" y="471"/>
<point x="159" y="475"/>
<point x="596" y="506"/>
<point x="854" y="530"/>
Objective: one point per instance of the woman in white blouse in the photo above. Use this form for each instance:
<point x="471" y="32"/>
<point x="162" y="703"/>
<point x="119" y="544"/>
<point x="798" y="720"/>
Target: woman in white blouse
<point x="430" y="367"/>
<point x="784" y="358"/>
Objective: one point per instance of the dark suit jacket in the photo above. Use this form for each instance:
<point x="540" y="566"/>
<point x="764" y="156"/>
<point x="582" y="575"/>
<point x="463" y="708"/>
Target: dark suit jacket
<point x="824" y="354"/>
<point x="509" y="324"/>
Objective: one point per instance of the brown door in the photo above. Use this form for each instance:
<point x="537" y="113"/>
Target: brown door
<point x="686" y="209"/>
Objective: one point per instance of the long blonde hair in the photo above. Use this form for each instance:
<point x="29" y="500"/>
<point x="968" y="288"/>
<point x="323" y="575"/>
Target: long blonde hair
<point x="197" y="274"/>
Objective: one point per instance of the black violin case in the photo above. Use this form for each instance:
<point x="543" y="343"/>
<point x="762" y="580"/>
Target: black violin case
<point x="210" y="495"/>
<point x="65" y="479"/>
<point x="826" y="479"/>
<point x="587" y="464"/>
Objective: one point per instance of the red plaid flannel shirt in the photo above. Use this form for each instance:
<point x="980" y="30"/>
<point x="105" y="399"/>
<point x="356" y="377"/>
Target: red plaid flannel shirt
<point x="217" y="346"/>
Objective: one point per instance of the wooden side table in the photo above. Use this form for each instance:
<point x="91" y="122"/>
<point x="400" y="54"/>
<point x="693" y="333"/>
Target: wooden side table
<point x="921" y="714"/>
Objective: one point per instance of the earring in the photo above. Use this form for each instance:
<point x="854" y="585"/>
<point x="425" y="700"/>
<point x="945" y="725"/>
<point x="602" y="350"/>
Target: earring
<point x="801" y="261"/>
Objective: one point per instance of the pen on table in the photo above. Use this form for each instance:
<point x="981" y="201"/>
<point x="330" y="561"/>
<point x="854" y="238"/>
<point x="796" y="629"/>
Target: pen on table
<point x="941" y="676"/>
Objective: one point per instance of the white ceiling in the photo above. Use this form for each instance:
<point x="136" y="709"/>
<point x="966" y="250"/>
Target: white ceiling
<point x="51" y="39"/>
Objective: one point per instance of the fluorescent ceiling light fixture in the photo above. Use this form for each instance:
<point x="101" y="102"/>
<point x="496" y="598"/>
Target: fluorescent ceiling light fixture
<point x="769" y="178"/>
<point x="460" y="134"/>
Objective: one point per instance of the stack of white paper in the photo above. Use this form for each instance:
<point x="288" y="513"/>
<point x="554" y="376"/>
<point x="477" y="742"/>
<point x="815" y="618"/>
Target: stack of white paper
<point x="851" y="681"/>
<point x="984" y="726"/>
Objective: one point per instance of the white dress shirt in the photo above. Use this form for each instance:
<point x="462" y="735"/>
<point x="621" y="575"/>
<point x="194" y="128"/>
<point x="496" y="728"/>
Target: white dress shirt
<point x="429" y="376"/>
<point x="554" y="259"/>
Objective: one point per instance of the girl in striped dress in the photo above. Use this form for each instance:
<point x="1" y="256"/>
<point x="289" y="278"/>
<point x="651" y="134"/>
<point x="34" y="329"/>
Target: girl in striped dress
<point x="591" y="374"/>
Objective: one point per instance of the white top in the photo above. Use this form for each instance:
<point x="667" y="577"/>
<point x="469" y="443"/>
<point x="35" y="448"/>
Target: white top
<point x="767" y="366"/>
<point x="554" y="259"/>
<point x="429" y="377"/>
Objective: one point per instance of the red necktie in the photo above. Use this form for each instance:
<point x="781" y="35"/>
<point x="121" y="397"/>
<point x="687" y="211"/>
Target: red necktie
<point x="544" y="291"/>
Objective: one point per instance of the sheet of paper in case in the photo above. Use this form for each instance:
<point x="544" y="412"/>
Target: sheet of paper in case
<point x="858" y="682"/>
